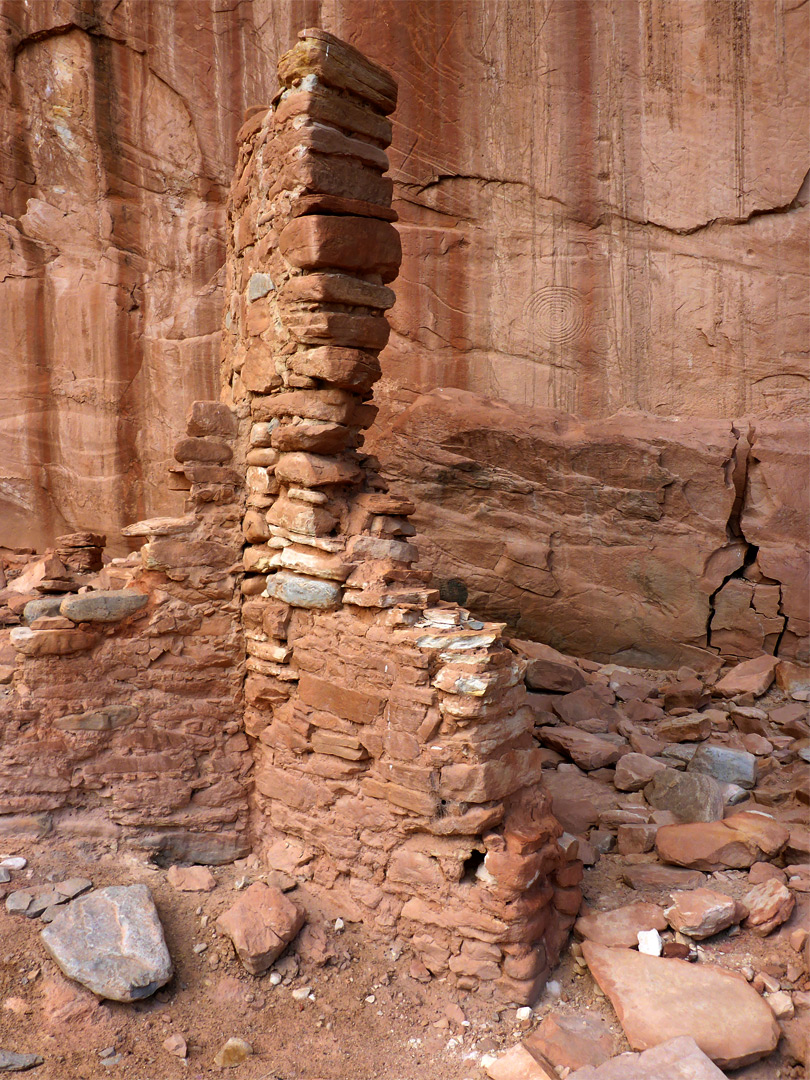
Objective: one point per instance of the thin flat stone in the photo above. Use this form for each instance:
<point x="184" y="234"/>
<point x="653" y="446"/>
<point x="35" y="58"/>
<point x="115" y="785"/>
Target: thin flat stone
<point x="11" y="1062"/>
<point x="621" y="926"/>
<point x="678" y="1059"/>
<point x="661" y="877"/>
<point x="658" y="999"/>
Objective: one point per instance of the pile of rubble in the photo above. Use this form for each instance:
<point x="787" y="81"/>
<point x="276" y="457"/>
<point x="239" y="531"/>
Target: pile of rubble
<point x="687" y="794"/>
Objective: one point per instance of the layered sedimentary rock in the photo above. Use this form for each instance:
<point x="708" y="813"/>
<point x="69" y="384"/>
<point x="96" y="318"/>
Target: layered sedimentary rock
<point x="647" y="540"/>
<point x="396" y="767"/>
<point x="600" y="206"/>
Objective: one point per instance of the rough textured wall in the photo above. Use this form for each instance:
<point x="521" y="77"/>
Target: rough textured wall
<point x="599" y="206"/>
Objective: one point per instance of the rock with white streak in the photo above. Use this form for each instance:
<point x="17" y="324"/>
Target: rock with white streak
<point x="700" y="913"/>
<point x="769" y="905"/>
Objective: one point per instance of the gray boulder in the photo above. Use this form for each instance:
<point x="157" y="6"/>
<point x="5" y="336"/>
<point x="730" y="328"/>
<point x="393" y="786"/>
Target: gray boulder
<point x="726" y="765"/>
<point x="104" y="606"/>
<point x="111" y="941"/>
<point x="690" y="796"/>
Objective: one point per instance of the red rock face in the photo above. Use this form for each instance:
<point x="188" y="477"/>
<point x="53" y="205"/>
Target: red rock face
<point x="598" y="208"/>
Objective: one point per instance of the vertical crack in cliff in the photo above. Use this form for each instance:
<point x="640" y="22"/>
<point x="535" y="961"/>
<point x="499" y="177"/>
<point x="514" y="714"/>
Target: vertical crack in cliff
<point x="736" y="470"/>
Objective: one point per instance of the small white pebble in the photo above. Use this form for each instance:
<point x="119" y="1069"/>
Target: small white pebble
<point x="487" y="1060"/>
<point x="649" y="942"/>
<point x="371" y="999"/>
<point x="523" y="1013"/>
<point x="275" y="978"/>
<point x="200" y="948"/>
<point x="339" y="924"/>
<point x="301" y="993"/>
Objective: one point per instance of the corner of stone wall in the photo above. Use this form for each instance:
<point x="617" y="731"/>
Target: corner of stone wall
<point x="396" y="772"/>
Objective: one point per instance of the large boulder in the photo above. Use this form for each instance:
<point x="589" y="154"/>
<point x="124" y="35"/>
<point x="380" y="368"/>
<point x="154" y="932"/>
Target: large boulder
<point x="111" y="941"/>
<point x="659" y="999"/>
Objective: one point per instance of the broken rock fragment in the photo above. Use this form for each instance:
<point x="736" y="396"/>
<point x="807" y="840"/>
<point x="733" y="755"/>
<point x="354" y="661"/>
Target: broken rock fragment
<point x="735" y="843"/>
<point x="690" y="796"/>
<point x="750" y="677"/>
<point x="13" y="1062"/>
<point x="635" y="771"/>
<point x="621" y="926"/>
<point x="700" y="913"/>
<point x="769" y="905"/>
<point x="677" y="1059"/>
<point x="261" y="924"/>
<point x="191" y="878"/>
<point x="572" y="1042"/>
<point x="657" y="999"/>
<point x="111" y="941"/>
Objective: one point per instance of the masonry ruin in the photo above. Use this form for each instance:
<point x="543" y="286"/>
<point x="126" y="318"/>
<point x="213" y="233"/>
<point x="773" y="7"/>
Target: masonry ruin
<point x="270" y="672"/>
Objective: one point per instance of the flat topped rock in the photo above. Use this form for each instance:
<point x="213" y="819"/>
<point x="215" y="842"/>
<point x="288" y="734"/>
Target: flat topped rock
<point x="736" y="843"/>
<point x="621" y="926"/>
<point x="658" y="999"/>
<point x="661" y="877"/>
<point x="111" y="941"/>
<point x="678" y="1059"/>
<point x="749" y="677"/>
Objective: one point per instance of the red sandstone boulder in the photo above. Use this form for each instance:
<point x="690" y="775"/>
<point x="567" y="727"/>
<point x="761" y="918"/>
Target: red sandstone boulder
<point x="737" y="842"/>
<point x="750" y="677"/>
<point x="658" y="999"/>
<point x="261" y="924"/>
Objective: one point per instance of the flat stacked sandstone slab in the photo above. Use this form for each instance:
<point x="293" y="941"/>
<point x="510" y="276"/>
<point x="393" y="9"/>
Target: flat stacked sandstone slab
<point x="658" y="999"/>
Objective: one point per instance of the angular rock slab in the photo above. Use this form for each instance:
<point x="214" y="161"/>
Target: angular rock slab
<point x="736" y="843"/>
<point x="700" y="913"/>
<point x="659" y="999"/>
<point x="678" y="1059"/>
<point x="620" y="927"/>
<point x="261" y="924"/>
<point x="111" y="941"/>
<point x="12" y="1062"/>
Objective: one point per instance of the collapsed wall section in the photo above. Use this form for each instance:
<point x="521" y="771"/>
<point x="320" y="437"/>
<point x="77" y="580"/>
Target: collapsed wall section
<point x="396" y="768"/>
<point x="122" y="702"/>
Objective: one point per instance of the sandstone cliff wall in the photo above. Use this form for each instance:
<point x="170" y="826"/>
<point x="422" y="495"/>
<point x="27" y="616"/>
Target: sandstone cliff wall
<point x="600" y="205"/>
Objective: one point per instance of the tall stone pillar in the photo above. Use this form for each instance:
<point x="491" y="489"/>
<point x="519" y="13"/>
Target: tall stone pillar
<point x="396" y="772"/>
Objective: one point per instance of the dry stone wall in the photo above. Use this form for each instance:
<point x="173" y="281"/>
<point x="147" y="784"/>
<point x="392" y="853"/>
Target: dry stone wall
<point x="395" y="764"/>
<point x="122" y="689"/>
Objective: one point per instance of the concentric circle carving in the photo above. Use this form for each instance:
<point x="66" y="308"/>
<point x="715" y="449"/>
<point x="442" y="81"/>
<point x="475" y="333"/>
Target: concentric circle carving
<point x="556" y="313"/>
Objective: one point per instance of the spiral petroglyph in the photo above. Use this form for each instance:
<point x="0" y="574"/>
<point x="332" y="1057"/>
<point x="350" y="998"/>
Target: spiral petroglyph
<point x="556" y="314"/>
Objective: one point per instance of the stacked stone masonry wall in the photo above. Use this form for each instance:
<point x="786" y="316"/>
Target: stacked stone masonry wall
<point x="280" y="625"/>
<point x="395" y="765"/>
<point x="123" y="699"/>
